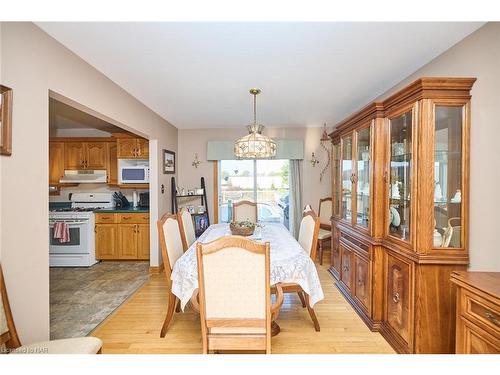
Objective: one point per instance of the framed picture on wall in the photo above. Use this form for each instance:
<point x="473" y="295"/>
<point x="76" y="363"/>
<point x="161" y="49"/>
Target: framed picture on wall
<point x="168" y="162"/>
<point x="200" y="223"/>
<point x="5" y="120"/>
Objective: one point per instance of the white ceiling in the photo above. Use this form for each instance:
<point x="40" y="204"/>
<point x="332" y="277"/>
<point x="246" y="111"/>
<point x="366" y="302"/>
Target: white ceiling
<point x="197" y="75"/>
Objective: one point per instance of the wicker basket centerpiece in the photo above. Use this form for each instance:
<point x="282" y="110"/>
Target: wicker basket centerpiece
<point x="242" y="228"/>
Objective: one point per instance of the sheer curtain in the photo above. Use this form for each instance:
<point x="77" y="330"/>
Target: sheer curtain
<point x="295" y="197"/>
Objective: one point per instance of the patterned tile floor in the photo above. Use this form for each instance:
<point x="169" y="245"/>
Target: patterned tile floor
<point x="81" y="298"/>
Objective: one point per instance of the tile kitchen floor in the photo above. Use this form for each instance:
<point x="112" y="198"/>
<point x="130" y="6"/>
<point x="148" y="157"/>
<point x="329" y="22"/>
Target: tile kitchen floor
<point x="81" y="298"/>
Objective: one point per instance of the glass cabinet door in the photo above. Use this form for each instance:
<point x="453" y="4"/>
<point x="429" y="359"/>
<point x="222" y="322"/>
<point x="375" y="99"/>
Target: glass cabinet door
<point x="400" y="174"/>
<point x="448" y="177"/>
<point x="363" y="177"/>
<point x="347" y="178"/>
<point x="336" y="179"/>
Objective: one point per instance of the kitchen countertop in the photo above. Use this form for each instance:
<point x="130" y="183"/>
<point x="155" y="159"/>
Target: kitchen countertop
<point x="123" y="210"/>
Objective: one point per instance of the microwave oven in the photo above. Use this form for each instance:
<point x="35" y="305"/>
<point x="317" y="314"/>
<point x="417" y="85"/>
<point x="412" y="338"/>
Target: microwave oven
<point x="133" y="171"/>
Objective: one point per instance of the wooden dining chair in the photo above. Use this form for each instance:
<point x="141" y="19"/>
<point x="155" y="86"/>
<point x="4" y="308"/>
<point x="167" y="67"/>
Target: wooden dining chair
<point x="10" y="343"/>
<point x="308" y="239"/>
<point x="187" y="228"/>
<point x="325" y="226"/>
<point x="235" y="294"/>
<point x="245" y="210"/>
<point x="171" y="250"/>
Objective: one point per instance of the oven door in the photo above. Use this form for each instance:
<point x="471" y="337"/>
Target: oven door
<point x="78" y="238"/>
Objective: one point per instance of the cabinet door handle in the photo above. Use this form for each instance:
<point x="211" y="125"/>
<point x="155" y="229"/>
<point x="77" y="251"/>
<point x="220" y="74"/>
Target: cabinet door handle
<point x="386" y="180"/>
<point x="126" y="218"/>
<point x="360" y="282"/>
<point x="95" y="228"/>
<point x="395" y="297"/>
<point x="492" y="318"/>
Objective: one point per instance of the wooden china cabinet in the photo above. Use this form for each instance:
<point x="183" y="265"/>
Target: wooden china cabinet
<point x="400" y="219"/>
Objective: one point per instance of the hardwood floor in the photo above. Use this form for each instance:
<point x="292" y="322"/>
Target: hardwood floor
<point x="135" y="326"/>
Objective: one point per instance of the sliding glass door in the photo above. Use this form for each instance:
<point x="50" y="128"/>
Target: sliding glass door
<point x="261" y="181"/>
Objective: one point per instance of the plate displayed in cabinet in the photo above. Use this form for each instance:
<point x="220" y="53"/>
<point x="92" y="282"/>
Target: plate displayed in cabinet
<point x="394" y="217"/>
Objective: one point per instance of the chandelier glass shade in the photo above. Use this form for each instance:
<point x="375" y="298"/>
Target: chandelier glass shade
<point x="255" y="145"/>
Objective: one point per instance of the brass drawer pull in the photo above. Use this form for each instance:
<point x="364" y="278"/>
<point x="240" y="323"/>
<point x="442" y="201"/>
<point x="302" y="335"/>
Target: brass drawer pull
<point x="492" y="318"/>
<point x="395" y="297"/>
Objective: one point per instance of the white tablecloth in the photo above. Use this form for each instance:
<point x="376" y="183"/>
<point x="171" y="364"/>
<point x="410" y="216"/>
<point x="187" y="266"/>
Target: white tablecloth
<point x="289" y="262"/>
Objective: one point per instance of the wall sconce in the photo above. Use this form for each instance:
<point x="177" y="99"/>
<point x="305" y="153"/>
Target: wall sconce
<point x="196" y="162"/>
<point x="314" y="161"/>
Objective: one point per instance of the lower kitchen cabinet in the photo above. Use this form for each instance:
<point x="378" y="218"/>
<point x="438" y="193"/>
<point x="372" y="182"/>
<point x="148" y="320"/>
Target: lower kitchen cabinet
<point x="106" y="241"/>
<point x="127" y="241"/>
<point x="124" y="236"/>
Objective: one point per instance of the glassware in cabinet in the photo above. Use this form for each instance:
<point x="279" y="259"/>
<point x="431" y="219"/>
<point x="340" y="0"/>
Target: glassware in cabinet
<point x="336" y="179"/>
<point x="363" y="177"/>
<point x="448" y="172"/>
<point x="400" y="176"/>
<point x="347" y="178"/>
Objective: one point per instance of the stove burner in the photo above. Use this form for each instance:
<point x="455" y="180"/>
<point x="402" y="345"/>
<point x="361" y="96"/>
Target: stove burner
<point x="76" y="209"/>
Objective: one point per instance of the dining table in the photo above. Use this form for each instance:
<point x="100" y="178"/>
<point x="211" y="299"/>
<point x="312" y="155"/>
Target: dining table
<point x="289" y="262"/>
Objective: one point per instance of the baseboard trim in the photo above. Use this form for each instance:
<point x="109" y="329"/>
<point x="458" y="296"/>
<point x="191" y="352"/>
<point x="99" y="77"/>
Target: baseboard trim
<point x="156" y="269"/>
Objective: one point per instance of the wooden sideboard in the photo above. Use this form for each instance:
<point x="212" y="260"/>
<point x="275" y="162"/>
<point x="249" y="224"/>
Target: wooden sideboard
<point x="400" y="176"/>
<point x="478" y="312"/>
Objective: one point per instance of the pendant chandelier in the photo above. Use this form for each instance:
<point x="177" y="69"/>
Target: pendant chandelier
<point x="255" y="145"/>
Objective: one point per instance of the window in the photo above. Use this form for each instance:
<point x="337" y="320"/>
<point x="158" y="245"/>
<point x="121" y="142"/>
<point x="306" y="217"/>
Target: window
<point x="261" y="181"/>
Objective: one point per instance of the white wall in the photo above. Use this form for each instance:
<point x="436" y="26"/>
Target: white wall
<point x="193" y="141"/>
<point x="478" y="56"/>
<point x="32" y="63"/>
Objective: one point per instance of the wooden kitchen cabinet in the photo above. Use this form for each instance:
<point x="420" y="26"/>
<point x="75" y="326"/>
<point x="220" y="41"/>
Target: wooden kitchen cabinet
<point x="86" y="155"/>
<point x="113" y="163"/>
<point x="133" y="148"/>
<point x="56" y="162"/>
<point x="106" y="237"/>
<point x="96" y="155"/>
<point x="127" y="241"/>
<point x="129" y="236"/>
<point x="74" y="155"/>
<point x="142" y="241"/>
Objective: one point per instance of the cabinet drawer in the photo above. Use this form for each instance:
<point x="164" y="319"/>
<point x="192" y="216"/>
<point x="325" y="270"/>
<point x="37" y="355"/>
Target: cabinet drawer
<point x="480" y="311"/>
<point x="105" y="218"/>
<point x="474" y="340"/>
<point x="398" y="297"/>
<point x="135" y="218"/>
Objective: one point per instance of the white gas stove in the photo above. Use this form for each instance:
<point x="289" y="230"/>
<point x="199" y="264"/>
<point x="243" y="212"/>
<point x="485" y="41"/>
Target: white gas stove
<point x="79" y="251"/>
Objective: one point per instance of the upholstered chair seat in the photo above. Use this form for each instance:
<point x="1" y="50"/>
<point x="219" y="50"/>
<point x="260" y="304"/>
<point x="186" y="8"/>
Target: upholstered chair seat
<point x="77" y="345"/>
<point x="187" y="228"/>
<point x="245" y="210"/>
<point x="324" y="234"/>
<point x="325" y="231"/>
<point x="308" y="240"/>
<point x="235" y="294"/>
<point x="172" y="248"/>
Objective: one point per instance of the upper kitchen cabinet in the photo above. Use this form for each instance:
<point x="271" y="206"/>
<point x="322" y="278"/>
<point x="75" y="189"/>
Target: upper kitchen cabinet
<point x="85" y="155"/>
<point x="56" y="162"/>
<point x="132" y="148"/>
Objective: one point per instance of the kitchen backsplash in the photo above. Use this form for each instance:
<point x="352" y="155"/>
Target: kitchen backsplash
<point x="94" y="188"/>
